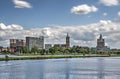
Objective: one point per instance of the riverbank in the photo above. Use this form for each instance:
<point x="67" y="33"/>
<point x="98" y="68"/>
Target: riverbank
<point x="48" y="57"/>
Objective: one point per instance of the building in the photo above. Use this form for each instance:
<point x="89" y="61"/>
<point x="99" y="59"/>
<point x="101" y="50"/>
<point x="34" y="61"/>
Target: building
<point x="60" y="45"/>
<point x="101" y="45"/>
<point x="48" y="46"/>
<point x="67" y="45"/>
<point x="16" y="45"/>
<point x="67" y="41"/>
<point x="35" y="42"/>
<point x="1" y="49"/>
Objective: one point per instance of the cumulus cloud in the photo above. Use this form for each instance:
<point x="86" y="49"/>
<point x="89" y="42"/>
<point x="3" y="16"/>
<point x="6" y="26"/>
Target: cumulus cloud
<point x="83" y="9"/>
<point x="10" y="27"/>
<point x="83" y="35"/>
<point x="21" y="4"/>
<point x="110" y="2"/>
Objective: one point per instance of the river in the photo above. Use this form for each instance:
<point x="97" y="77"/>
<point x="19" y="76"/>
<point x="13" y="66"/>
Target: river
<point x="72" y="68"/>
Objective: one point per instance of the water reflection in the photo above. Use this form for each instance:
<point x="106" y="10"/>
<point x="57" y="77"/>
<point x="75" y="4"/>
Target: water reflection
<point x="81" y="68"/>
<point x="101" y="66"/>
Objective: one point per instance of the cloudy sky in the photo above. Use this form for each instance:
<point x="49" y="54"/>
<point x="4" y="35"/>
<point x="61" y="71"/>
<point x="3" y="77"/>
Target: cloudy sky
<point x="84" y="20"/>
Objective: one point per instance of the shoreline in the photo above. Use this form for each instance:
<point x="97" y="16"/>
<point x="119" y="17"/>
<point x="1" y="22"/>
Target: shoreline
<point x="50" y="57"/>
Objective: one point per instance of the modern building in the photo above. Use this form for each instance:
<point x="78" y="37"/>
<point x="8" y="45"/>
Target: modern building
<point x="67" y="41"/>
<point x="17" y="44"/>
<point x="35" y="42"/>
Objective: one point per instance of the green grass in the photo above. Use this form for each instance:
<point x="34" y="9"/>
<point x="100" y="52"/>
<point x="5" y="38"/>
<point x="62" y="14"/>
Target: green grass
<point x="48" y="57"/>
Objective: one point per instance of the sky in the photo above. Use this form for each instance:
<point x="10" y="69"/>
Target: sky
<point x="84" y="20"/>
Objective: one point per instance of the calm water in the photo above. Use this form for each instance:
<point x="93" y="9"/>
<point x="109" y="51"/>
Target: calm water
<point x="76" y="68"/>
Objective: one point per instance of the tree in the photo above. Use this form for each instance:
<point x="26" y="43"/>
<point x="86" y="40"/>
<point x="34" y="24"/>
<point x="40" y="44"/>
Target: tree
<point x="24" y="49"/>
<point x="52" y="50"/>
<point x="83" y="51"/>
<point x="66" y="51"/>
<point x="34" y="49"/>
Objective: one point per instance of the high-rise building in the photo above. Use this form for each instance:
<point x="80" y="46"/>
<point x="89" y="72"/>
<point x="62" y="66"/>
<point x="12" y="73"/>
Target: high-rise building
<point x="100" y="44"/>
<point x="17" y="44"/>
<point x="35" y="42"/>
<point x="67" y="41"/>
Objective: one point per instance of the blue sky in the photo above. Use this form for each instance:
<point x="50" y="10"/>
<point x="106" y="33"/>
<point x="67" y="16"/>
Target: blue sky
<point x="84" y="20"/>
<point x="46" y="12"/>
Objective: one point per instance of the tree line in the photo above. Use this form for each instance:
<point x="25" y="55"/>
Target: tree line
<point x="59" y="50"/>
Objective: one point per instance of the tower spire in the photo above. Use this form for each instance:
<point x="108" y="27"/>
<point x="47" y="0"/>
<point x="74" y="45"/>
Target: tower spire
<point x="100" y="36"/>
<point x="67" y="35"/>
<point x="67" y="41"/>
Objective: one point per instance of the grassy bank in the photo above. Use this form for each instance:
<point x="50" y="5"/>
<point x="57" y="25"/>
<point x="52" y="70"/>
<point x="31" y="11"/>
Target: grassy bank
<point x="48" y="57"/>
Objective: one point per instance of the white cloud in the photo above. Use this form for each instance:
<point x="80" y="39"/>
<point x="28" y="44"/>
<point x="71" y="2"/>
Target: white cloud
<point x="119" y="14"/>
<point x="104" y="22"/>
<point x="10" y="27"/>
<point x="110" y="2"/>
<point x="84" y="35"/>
<point x="21" y="4"/>
<point x="83" y="9"/>
<point x="105" y="14"/>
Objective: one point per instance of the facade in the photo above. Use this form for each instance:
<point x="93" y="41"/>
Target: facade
<point x="100" y="44"/>
<point x="60" y="45"/>
<point x="35" y="41"/>
<point x="1" y="49"/>
<point x="7" y="49"/>
<point x="48" y="46"/>
<point x="17" y="44"/>
<point x="67" y="41"/>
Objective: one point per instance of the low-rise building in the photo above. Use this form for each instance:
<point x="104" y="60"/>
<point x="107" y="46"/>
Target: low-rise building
<point x="48" y="46"/>
<point x="60" y="45"/>
<point x="1" y="48"/>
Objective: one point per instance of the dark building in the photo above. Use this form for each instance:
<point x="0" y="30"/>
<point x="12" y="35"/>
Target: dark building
<point x="35" y="42"/>
<point x="67" y="41"/>
<point x="1" y="49"/>
<point x="17" y="44"/>
<point x="100" y="44"/>
<point x="60" y="45"/>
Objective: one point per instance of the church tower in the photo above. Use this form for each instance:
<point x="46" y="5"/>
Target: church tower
<point x="100" y="44"/>
<point x="67" y="41"/>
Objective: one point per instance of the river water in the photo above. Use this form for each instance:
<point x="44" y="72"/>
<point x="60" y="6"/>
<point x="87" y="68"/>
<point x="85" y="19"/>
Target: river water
<point x="75" y="68"/>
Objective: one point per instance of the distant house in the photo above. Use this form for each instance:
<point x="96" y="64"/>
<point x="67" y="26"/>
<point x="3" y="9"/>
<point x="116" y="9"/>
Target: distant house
<point x="1" y="49"/>
<point x="60" y="45"/>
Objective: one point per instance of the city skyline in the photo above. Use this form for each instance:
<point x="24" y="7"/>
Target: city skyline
<point x="83" y="20"/>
